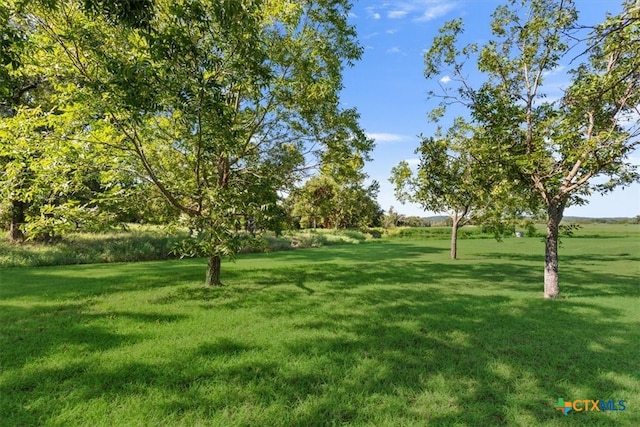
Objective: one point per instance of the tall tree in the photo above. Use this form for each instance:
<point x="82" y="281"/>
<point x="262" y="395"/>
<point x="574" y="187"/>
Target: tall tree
<point x="48" y="184"/>
<point x="314" y="202"/>
<point x="221" y="103"/>
<point x="556" y="147"/>
<point x="15" y="86"/>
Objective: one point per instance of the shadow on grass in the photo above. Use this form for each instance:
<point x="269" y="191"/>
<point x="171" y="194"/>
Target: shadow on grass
<point x="371" y="342"/>
<point x="449" y="359"/>
<point x="570" y="259"/>
<point x="577" y="279"/>
<point x="97" y="279"/>
<point x="460" y="359"/>
<point x="29" y="333"/>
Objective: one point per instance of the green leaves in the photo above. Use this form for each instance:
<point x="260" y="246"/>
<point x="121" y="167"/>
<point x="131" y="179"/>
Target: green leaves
<point x="446" y="178"/>
<point x="222" y="105"/>
<point x="546" y="152"/>
<point x="554" y="146"/>
<point x="443" y="50"/>
<point x="341" y="202"/>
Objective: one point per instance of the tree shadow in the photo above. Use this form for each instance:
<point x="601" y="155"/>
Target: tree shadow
<point x="378" y="251"/>
<point x="575" y="280"/>
<point x="582" y="258"/>
<point x="482" y="348"/>
<point x="437" y="343"/>
<point x="97" y="279"/>
<point x="415" y="339"/>
<point x="29" y="333"/>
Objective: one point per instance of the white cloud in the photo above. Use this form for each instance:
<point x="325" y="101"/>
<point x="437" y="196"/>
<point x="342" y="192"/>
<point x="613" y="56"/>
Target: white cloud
<point x="417" y="10"/>
<point x="397" y="14"/>
<point x="434" y="12"/>
<point x="445" y="80"/>
<point x="372" y="13"/>
<point x="383" y="137"/>
<point x="392" y="31"/>
<point x="395" y="51"/>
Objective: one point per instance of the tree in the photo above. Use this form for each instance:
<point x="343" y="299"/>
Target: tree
<point x="555" y="147"/>
<point x="330" y="203"/>
<point x="357" y="205"/>
<point x="313" y="203"/>
<point x="444" y="182"/>
<point x="391" y="218"/>
<point x="220" y="103"/>
<point x="49" y="184"/>
<point x="28" y="161"/>
<point x="14" y="89"/>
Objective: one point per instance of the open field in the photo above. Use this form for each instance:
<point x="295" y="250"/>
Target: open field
<point x="384" y="333"/>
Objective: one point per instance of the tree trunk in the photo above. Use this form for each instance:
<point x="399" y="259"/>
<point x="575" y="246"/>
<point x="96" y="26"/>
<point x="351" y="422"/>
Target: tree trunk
<point x="17" y="219"/>
<point x="454" y="237"/>
<point x="554" y="216"/>
<point x="213" y="271"/>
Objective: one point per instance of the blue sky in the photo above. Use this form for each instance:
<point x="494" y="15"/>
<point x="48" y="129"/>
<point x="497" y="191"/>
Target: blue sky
<point x="389" y="89"/>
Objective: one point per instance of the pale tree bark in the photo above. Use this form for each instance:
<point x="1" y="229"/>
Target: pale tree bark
<point x="459" y="218"/>
<point x="555" y="211"/>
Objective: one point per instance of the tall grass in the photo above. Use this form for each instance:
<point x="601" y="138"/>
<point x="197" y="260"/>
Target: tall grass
<point x="135" y="244"/>
<point x="385" y="334"/>
<point x="150" y="243"/>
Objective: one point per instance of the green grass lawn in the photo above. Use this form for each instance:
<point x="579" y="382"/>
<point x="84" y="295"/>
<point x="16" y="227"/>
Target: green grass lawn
<point x="384" y="333"/>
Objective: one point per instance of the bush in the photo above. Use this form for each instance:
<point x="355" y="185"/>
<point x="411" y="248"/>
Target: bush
<point x="276" y="244"/>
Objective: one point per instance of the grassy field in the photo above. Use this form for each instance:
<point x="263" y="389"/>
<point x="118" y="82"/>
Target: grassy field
<point x="384" y="333"/>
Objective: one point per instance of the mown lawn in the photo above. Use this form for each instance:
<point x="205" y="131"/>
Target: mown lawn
<point x="387" y="333"/>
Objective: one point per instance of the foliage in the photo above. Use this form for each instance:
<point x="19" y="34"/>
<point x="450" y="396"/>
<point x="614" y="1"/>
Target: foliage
<point x="414" y="221"/>
<point x="221" y="105"/>
<point x="470" y="232"/>
<point x="443" y="180"/>
<point x="53" y="182"/>
<point x="391" y="218"/>
<point x="449" y="178"/>
<point x="139" y="243"/>
<point x="556" y="148"/>
<point x="329" y="203"/>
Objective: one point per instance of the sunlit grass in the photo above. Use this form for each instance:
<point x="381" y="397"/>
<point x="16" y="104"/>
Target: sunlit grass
<point x="389" y="333"/>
